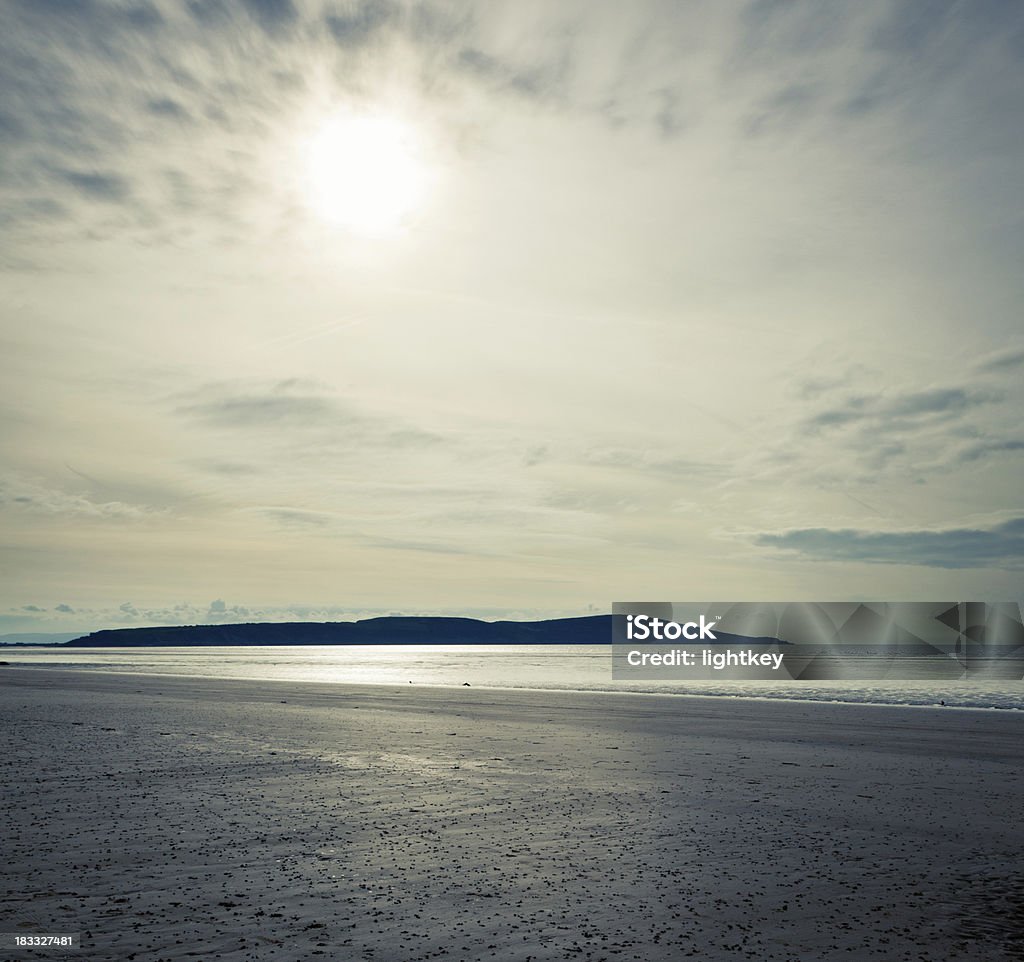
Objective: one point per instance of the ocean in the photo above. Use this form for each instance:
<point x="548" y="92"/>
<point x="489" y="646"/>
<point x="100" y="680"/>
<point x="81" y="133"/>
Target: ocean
<point x="557" y="667"/>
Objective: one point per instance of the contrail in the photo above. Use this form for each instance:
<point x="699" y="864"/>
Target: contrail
<point x="298" y="337"/>
<point x="83" y="475"/>
<point x="864" y="504"/>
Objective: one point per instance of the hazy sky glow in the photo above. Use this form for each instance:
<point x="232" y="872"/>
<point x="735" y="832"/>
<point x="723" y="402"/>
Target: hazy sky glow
<point x="647" y="300"/>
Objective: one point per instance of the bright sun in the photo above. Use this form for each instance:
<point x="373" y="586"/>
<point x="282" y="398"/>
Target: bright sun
<point x="366" y="173"/>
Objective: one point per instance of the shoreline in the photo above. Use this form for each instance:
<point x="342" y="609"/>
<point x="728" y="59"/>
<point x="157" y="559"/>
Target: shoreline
<point x="745" y="696"/>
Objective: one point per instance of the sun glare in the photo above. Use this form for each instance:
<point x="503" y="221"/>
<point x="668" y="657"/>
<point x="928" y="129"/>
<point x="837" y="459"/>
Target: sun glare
<point x="366" y="173"/>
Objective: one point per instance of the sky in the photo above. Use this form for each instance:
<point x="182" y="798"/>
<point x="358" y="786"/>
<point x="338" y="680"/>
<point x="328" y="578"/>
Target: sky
<point x="315" y="309"/>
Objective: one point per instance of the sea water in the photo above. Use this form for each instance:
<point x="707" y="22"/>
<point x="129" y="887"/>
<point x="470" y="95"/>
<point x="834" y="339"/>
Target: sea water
<point x="559" y="667"/>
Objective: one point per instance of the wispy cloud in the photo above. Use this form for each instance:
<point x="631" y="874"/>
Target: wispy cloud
<point x="101" y="186"/>
<point x="1002" y="361"/>
<point x="275" y="16"/>
<point x="983" y="449"/>
<point x="358" y="25"/>
<point x="297" y="517"/>
<point x="858" y="427"/>
<point x="254" y="410"/>
<point x="28" y="496"/>
<point x="536" y="82"/>
<point x="897" y="411"/>
<point x="680" y="269"/>
<point x="276" y="411"/>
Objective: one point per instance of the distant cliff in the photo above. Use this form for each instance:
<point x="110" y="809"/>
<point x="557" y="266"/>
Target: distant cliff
<point x="593" y="630"/>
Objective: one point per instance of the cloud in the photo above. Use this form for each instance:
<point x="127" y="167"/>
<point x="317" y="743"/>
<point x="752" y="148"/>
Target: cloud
<point x="246" y="411"/>
<point x="166" y="107"/>
<point x="639" y="209"/>
<point x="866" y="426"/>
<point x="1000" y="546"/>
<point x="284" y="410"/>
<point x="219" y="610"/>
<point x="938" y="401"/>
<point x="428" y="547"/>
<point x="983" y="449"/>
<point x="535" y="82"/>
<point x="535" y="454"/>
<point x="28" y="495"/>
<point x="274" y="16"/>
<point x="358" y="25"/>
<point x="92" y="16"/>
<point x="1001" y="361"/>
<point x="897" y="411"/>
<point x="31" y="618"/>
<point x="91" y="86"/>
<point x="106" y="187"/>
<point x="230" y="469"/>
<point x="97" y="96"/>
<point x="650" y="463"/>
<point x="297" y="517"/>
<point x="65" y="609"/>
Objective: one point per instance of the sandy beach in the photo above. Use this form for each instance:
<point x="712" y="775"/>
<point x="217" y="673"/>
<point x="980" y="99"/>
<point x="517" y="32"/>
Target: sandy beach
<point x="169" y="818"/>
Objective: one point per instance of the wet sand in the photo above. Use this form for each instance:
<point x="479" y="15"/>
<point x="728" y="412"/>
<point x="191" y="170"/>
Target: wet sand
<point x="170" y="818"/>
